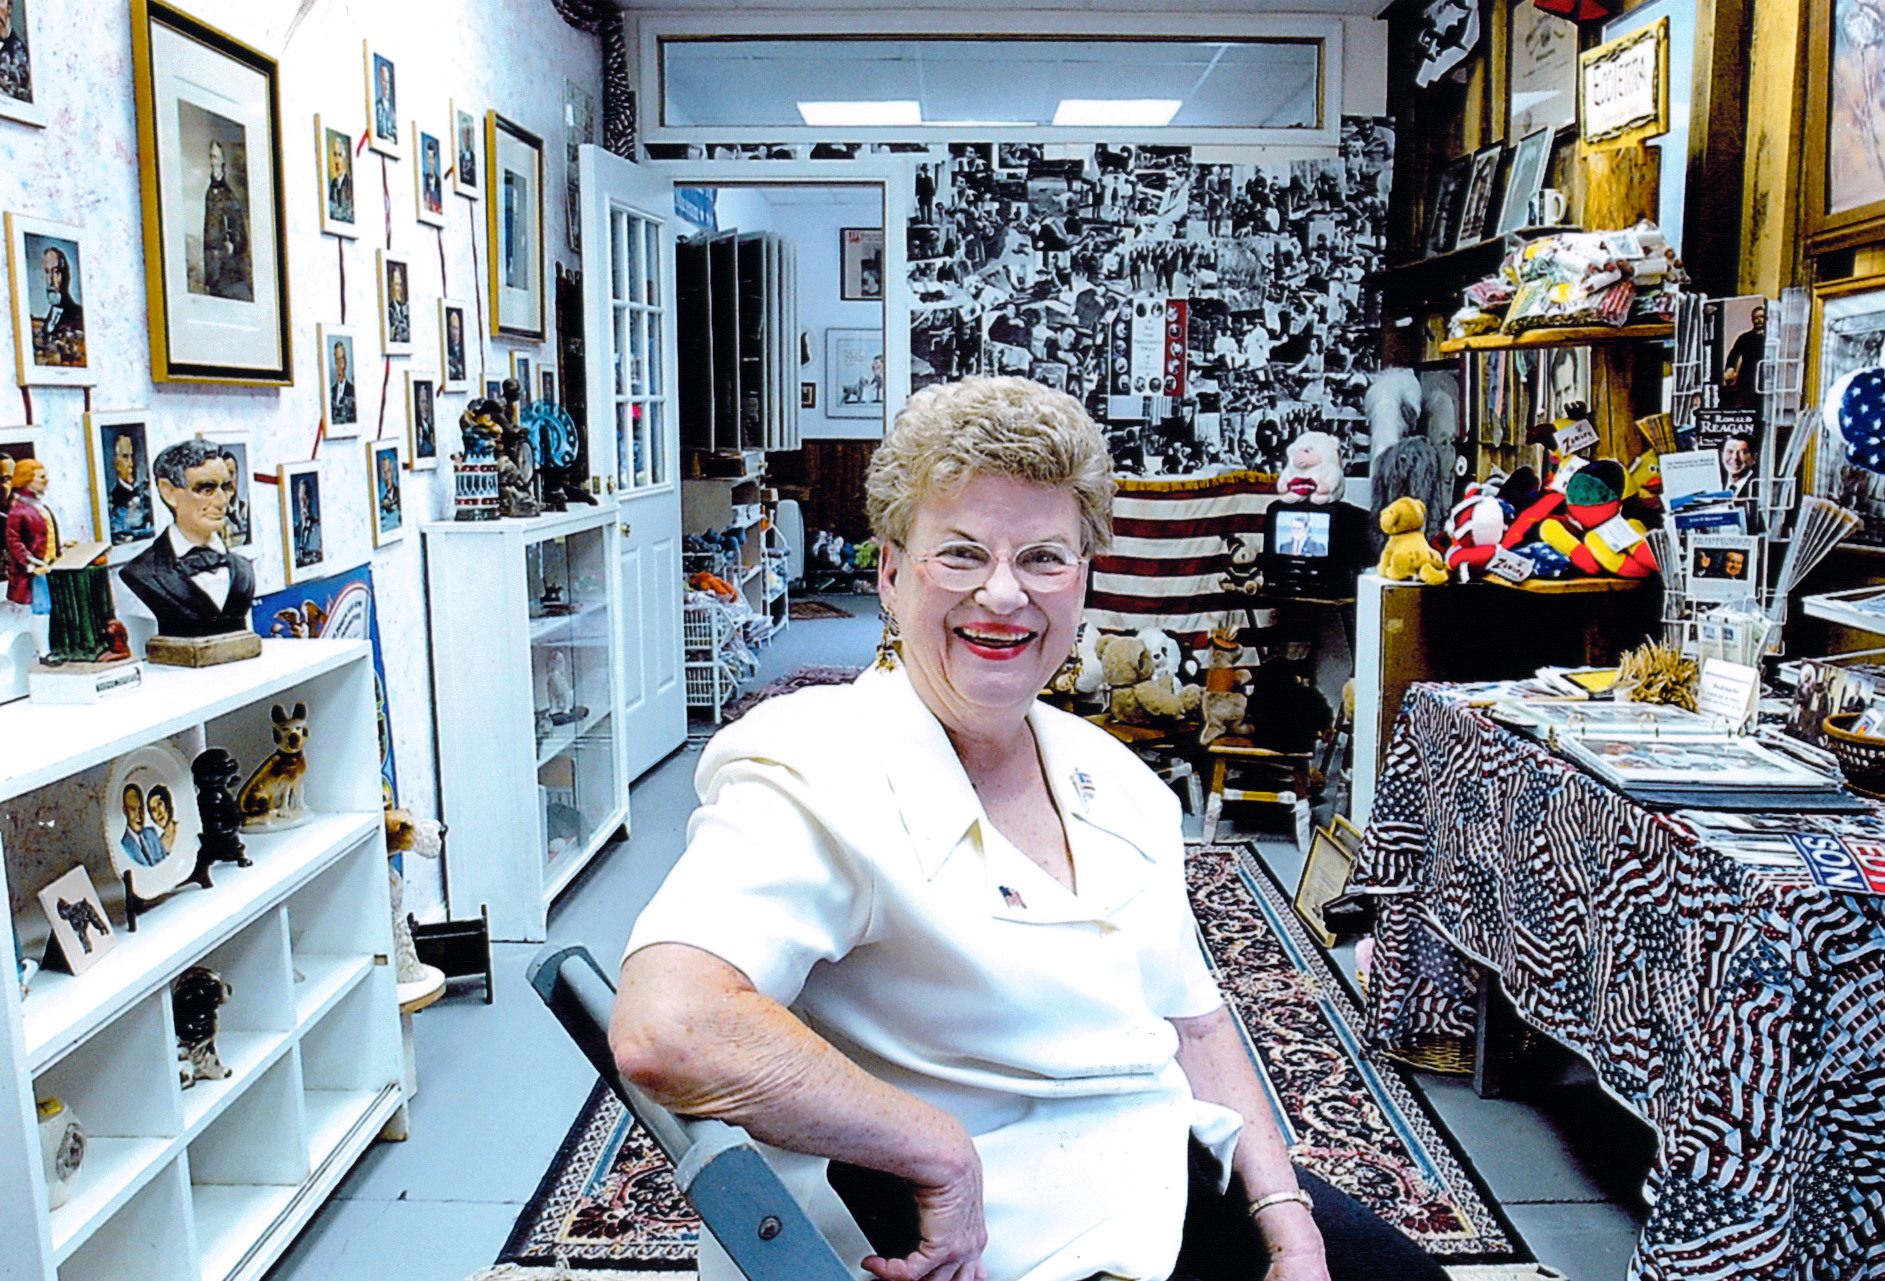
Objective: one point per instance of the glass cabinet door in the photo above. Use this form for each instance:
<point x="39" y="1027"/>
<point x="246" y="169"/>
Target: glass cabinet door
<point x="572" y="692"/>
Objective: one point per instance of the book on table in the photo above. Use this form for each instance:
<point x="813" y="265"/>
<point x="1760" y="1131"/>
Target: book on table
<point x="1617" y="720"/>
<point x="1700" y="763"/>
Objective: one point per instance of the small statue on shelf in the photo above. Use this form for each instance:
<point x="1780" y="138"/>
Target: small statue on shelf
<point x="215" y="772"/>
<point x="516" y="461"/>
<point x="199" y="593"/>
<point x="66" y="584"/>
<point x="474" y="472"/>
<point x="271" y="799"/>
<point x="424" y="837"/>
<point x="195" y="998"/>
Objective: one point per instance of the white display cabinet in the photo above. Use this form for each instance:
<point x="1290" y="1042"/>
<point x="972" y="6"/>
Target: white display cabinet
<point x="209" y="1183"/>
<point x="525" y="665"/>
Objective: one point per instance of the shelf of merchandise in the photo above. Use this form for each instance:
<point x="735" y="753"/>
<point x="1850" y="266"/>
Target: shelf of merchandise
<point x="1580" y="336"/>
<point x="706" y="636"/>
<point x="212" y="1181"/>
<point x="526" y="815"/>
<point x="1847" y="608"/>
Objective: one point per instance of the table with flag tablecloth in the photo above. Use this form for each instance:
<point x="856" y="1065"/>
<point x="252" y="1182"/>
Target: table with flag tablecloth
<point x="1738" y="1008"/>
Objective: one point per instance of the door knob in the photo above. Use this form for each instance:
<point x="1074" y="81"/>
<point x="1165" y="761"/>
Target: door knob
<point x="627" y="529"/>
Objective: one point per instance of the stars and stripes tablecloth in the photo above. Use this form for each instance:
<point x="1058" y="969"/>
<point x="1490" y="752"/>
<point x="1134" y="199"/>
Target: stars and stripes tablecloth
<point x="1740" y="1010"/>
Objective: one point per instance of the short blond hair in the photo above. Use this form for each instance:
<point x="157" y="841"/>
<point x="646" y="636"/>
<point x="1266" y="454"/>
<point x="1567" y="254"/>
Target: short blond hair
<point x="947" y="435"/>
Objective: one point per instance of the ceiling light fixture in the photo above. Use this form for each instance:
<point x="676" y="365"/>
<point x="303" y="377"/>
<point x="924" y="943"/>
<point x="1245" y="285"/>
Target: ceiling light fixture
<point x="892" y="113"/>
<point x="1118" y="113"/>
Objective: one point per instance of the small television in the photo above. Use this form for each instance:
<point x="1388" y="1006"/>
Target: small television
<point x="1305" y="549"/>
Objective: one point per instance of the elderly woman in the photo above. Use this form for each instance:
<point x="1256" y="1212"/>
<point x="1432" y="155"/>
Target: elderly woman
<point x="930" y="926"/>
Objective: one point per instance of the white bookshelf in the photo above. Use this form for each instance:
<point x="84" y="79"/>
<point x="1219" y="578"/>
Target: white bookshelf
<point x="209" y="1183"/>
<point x="529" y="803"/>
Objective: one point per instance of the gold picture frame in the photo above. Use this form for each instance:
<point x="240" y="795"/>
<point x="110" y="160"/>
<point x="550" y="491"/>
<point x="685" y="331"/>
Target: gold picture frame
<point x="1623" y="88"/>
<point x="513" y="173"/>
<point x="1843" y="165"/>
<point x="1325" y="874"/>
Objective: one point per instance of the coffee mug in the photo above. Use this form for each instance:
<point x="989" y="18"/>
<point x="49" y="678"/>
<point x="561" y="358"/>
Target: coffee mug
<point x="1546" y="208"/>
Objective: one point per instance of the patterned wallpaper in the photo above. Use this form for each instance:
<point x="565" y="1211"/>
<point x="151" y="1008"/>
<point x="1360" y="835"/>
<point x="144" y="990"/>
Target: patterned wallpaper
<point x="513" y="55"/>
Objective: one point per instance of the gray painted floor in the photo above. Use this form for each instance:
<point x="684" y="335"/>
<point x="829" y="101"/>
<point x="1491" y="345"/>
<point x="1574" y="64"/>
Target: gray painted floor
<point x="499" y="1084"/>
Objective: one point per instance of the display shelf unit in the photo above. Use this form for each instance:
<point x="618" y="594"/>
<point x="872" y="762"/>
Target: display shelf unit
<point x="526" y="664"/>
<point x="707" y="636"/>
<point x="736" y="300"/>
<point x="1581" y="336"/>
<point x="212" y="1182"/>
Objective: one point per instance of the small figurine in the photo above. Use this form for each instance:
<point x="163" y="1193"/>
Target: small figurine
<point x="194" y="999"/>
<point x="61" y="1148"/>
<point x="199" y="593"/>
<point x="65" y="584"/>
<point x="215" y="772"/>
<point x="424" y="837"/>
<point x="475" y="471"/>
<point x="271" y="799"/>
<point x="516" y="462"/>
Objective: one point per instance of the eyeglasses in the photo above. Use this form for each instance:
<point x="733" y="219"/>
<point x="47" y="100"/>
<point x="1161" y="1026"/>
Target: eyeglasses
<point x="965" y="566"/>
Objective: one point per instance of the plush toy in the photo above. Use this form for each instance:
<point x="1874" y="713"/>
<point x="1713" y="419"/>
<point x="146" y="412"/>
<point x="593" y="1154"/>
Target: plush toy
<point x="1134" y="697"/>
<point x="1166" y="656"/>
<point x="1244" y="575"/>
<point x="1314" y="471"/>
<point x="424" y="837"/>
<point x="705" y="582"/>
<point x="1642" y="490"/>
<point x="1224" y="705"/>
<point x="1476" y="531"/>
<point x="1576" y="520"/>
<point x="1408" y="554"/>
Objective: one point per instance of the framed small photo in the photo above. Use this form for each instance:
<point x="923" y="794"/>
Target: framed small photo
<point x="334" y="149"/>
<point x="861" y="264"/>
<point x="215" y="238"/>
<point x="428" y="177"/>
<point x="514" y="227"/>
<point x="422" y="441"/>
<point x="150" y="819"/>
<point x="239" y="516"/>
<point x="1443" y="218"/>
<point x="1524" y="180"/>
<point x="546" y="381"/>
<point x="385" y="496"/>
<point x="808" y="395"/>
<point x="1325" y="876"/>
<point x="454" y="362"/>
<point x="1476" y="203"/>
<point x="79" y="924"/>
<point x="854" y="373"/>
<point x="395" y="275"/>
<point x="47" y="270"/>
<point x="523" y="369"/>
<point x="19" y="95"/>
<point x="124" y="503"/>
<point x="464" y="152"/>
<point x="494" y="389"/>
<point x="340" y="403"/>
<point x="303" y="521"/>
<point x="382" y="102"/>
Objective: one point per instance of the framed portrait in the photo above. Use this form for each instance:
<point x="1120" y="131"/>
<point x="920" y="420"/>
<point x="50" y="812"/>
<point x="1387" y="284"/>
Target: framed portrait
<point x="546" y="382"/>
<point x="382" y="77"/>
<point x="523" y="370"/>
<point x="395" y="276"/>
<point x="239" y="516"/>
<point x="1848" y="334"/>
<point x="1325" y="876"/>
<point x="579" y="127"/>
<point x="1443" y="219"/>
<point x="124" y="499"/>
<point x="79" y="925"/>
<point x="454" y="356"/>
<point x="861" y="264"/>
<point x="334" y="151"/>
<point x="19" y="96"/>
<point x="494" y="389"/>
<point x="854" y="373"/>
<point x="465" y="152"/>
<point x="340" y="400"/>
<point x="150" y="821"/>
<point x="1845" y="126"/>
<point x="513" y="161"/>
<point x="215" y="244"/>
<point x="386" y="505"/>
<point x="1476" y="201"/>
<point x="1524" y="179"/>
<point x="428" y="177"/>
<point x="422" y="435"/>
<point x="46" y="269"/>
<point x="303" y="521"/>
<point x="808" y="395"/>
<point x="1542" y="89"/>
<point x="1623" y="87"/>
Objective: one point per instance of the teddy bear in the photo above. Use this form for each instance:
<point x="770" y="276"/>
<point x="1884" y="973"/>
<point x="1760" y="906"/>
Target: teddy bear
<point x="1314" y="470"/>
<point x="1244" y="575"/>
<point x="1224" y="705"/>
<point x="424" y="837"/>
<point x="1408" y="554"/>
<point x="1134" y="695"/>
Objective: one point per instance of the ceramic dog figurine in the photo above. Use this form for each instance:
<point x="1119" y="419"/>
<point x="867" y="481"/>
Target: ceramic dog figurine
<point x="271" y="799"/>
<point x="194" y="999"/>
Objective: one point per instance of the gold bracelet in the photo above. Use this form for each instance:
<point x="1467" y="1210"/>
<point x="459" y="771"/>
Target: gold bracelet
<point x="1295" y="1195"/>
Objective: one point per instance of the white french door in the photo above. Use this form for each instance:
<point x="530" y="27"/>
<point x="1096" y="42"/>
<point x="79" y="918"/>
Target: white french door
<point x="628" y="274"/>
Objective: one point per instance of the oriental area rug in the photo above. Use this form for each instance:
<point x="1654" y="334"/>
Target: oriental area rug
<point x="607" y="1208"/>
<point x="805" y="611"/>
<point x="698" y="732"/>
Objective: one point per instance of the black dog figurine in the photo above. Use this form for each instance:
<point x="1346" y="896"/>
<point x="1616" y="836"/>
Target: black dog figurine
<point x="216" y="773"/>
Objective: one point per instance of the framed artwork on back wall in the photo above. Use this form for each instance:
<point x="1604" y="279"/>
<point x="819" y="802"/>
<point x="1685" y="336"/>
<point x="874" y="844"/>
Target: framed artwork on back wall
<point x="513" y="166"/>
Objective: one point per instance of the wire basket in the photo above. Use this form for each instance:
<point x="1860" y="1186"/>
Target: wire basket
<point x="1861" y="756"/>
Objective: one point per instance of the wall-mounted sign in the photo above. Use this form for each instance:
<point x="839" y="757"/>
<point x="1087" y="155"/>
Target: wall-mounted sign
<point x="1623" y="88"/>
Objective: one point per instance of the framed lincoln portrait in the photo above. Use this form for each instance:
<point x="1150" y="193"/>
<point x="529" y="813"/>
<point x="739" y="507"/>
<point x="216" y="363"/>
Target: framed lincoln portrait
<point x="513" y="167"/>
<point x="215" y="248"/>
<point x="47" y="269"/>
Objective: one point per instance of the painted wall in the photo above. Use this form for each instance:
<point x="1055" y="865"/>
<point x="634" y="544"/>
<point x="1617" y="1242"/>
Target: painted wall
<point x="815" y="229"/>
<point x="512" y="55"/>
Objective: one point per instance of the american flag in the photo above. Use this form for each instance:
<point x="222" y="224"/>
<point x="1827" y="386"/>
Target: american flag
<point x="1172" y="548"/>
<point x="1013" y="898"/>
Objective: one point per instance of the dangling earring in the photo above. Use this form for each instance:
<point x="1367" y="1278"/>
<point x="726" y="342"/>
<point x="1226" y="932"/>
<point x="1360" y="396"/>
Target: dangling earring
<point x="887" y="652"/>
<point x="1067" y="676"/>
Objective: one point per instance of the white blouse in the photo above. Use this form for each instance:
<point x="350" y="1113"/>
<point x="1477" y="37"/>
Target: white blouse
<point x="842" y="861"/>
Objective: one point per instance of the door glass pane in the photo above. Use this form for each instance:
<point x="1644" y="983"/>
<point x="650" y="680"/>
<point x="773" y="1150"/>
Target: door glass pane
<point x="631" y="234"/>
<point x="620" y="283"/>
<point x="623" y="319"/>
<point x="653" y="260"/>
<point x="638" y="353"/>
<point x="658" y="441"/>
<point x="656" y="373"/>
<point x="644" y="452"/>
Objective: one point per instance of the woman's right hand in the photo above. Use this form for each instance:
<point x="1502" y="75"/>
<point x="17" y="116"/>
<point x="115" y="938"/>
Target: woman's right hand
<point x="949" y="1213"/>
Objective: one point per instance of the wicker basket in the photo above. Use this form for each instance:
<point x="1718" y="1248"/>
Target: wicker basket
<point x="1861" y="756"/>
